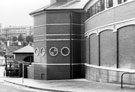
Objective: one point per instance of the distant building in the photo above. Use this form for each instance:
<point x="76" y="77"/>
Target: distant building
<point x="15" y="31"/>
<point x="24" y="54"/>
<point x="12" y="31"/>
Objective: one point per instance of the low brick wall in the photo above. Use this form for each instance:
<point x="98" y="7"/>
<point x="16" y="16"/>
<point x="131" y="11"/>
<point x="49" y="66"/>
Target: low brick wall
<point x="107" y="76"/>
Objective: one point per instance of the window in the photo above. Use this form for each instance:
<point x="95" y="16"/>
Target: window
<point x="42" y="51"/>
<point x="65" y="51"/>
<point x="93" y="9"/>
<point x="109" y="3"/>
<point x="121" y="1"/>
<point x="98" y="6"/>
<point x="36" y="52"/>
<point x="53" y="51"/>
<point x="102" y="3"/>
<point x="89" y="13"/>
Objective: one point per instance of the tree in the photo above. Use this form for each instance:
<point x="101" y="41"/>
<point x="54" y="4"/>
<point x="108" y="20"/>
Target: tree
<point x="20" y="38"/>
<point x="14" y="38"/>
<point x="3" y="38"/>
<point x="29" y="39"/>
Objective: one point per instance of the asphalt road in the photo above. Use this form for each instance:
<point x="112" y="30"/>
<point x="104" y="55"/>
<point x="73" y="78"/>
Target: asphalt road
<point x="5" y="87"/>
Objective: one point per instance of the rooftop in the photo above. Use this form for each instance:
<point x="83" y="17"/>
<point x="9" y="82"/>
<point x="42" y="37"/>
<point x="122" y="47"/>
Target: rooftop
<point x="26" y="49"/>
<point x="63" y="4"/>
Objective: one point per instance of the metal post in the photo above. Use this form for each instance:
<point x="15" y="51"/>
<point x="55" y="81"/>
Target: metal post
<point x="22" y="73"/>
<point x="5" y="65"/>
<point x="42" y="76"/>
<point x="122" y="80"/>
<point x="123" y="76"/>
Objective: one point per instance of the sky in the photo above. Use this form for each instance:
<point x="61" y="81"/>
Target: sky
<point x="16" y="12"/>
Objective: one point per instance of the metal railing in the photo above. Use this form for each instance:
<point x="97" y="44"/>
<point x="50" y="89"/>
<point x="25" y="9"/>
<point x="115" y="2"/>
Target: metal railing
<point x="124" y="71"/>
<point x="123" y="76"/>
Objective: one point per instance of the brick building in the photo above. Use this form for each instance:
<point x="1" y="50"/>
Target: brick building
<point x="12" y="31"/>
<point x="57" y="32"/>
<point x="72" y="36"/>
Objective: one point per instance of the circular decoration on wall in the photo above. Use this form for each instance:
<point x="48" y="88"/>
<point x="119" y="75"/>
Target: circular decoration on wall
<point x="42" y="51"/>
<point x="36" y="51"/>
<point x="65" y="51"/>
<point x="53" y="51"/>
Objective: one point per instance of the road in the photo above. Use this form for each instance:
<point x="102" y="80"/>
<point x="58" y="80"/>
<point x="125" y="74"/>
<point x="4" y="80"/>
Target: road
<point x="7" y="87"/>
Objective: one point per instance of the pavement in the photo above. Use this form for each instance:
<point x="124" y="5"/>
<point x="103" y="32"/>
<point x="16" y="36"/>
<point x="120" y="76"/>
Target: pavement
<point x="71" y="85"/>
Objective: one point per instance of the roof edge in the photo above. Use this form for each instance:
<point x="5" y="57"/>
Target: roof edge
<point x="37" y="12"/>
<point x="45" y="8"/>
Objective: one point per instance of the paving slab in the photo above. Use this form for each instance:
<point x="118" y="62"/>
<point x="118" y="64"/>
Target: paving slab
<point x="72" y="85"/>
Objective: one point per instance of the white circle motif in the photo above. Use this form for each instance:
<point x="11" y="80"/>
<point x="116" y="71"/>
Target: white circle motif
<point x="36" y="51"/>
<point x="42" y="51"/>
<point x="53" y="51"/>
<point x="65" y="51"/>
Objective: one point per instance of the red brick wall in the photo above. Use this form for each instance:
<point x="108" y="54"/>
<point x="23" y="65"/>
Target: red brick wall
<point x="56" y="29"/>
<point x="108" y="49"/>
<point x="94" y="49"/>
<point x="116" y="50"/>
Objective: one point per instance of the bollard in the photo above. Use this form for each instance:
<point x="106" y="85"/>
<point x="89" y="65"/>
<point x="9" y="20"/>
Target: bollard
<point x="42" y="76"/>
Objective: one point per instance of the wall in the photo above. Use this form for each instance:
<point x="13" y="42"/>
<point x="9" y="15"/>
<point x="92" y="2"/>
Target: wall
<point x="112" y="15"/>
<point x="39" y="36"/>
<point x="110" y="43"/>
<point x="57" y="29"/>
<point x="114" y="50"/>
<point x="66" y="29"/>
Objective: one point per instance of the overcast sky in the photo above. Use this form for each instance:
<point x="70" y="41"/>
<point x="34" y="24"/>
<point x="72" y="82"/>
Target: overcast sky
<point x="16" y="12"/>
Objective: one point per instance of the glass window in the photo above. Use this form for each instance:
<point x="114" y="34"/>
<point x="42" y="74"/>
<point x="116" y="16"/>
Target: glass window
<point x="121" y="1"/>
<point x="65" y="51"/>
<point x="93" y="9"/>
<point x="53" y="51"/>
<point x="109" y="3"/>
<point x="42" y="51"/>
<point x="90" y="11"/>
<point x="98" y="6"/>
<point x="102" y="3"/>
<point x="87" y="14"/>
<point x="36" y="52"/>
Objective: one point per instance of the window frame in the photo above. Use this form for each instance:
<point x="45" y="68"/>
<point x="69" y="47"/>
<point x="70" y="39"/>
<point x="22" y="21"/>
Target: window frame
<point x="55" y="49"/>
<point x="42" y="52"/>
<point x="36" y="52"/>
<point x="63" y="49"/>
